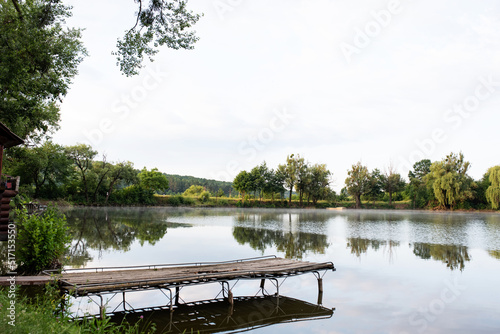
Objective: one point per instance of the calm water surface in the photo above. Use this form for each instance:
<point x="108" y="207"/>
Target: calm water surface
<point x="397" y="271"/>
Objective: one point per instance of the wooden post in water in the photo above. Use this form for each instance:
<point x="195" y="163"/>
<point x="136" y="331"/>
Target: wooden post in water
<point x="320" y="291"/>
<point x="177" y="290"/>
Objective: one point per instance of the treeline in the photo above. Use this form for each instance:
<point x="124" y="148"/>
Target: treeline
<point x="74" y="173"/>
<point x="310" y="181"/>
<point x="441" y="184"/>
<point x="179" y="184"/>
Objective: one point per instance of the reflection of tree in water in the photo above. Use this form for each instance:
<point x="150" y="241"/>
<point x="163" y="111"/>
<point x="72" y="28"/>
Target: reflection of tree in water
<point x="360" y="246"/>
<point x="111" y="229"/>
<point x="454" y="256"/>
<point x="294" y="245"/>
<point x="495" y="254"/>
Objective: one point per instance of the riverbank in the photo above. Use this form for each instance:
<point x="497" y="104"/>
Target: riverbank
<point x="237" y="202"/>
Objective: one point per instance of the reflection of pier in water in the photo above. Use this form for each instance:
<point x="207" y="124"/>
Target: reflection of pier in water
<point x="171" y="279"/>
<point x="215" y="316"/>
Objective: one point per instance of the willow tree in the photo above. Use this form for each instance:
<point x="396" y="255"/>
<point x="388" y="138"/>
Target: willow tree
<point x="493" y="191"/>
<point x="449" y="180"/>
<point x="358" y="182"/>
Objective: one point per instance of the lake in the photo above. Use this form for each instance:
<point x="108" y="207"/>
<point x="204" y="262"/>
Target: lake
<point x="397" y="271"/>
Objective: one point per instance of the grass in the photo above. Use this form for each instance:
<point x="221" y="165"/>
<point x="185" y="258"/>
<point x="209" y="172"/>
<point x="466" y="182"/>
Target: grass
<point x="41" y="314"/>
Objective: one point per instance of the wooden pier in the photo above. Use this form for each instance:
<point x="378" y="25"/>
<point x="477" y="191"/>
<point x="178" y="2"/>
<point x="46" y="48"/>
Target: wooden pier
<point x="114" y="280"/>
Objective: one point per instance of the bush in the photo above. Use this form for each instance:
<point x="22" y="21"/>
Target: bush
<point x="134" y="194"/>
<point x="42" y="240"/>
<point x="204" y="196"/>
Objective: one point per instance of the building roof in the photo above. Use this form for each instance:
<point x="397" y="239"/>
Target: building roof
<point x="8" y="138"/>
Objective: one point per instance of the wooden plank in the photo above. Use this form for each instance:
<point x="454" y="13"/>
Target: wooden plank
<point x="25" y="280"/>
<point x="190" y="274"/>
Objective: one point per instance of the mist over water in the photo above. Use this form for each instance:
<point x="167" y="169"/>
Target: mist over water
<point x="397" y="271"/>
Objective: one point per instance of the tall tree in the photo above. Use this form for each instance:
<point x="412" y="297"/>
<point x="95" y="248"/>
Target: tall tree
<point x="417" y="188"/>
<point x="319" y="181"/>
<point x="375" y="185"/>
<point x="242" y="182"/>
<point x="82" y="156"/>
<point x="153" y="180"/>
<point x="303" y="178"/>
<point x="275" y="183"/>
<point x="493" y="191"/>
<point x="38" y="60"/>
<point x="392" y="182"/>
<point x="449" y="180"/>
<point x="39" y="55"/>
<point x="45" y="167"/>
<point x="290" y="172"/>
<point x="358" y="182"/>
<point x="120" y="172"/>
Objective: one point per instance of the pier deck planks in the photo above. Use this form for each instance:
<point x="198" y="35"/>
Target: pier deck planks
<point x="116" y="279"/>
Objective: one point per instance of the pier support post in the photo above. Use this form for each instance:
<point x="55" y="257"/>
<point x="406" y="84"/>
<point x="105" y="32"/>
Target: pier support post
<point x="102" y="308"/>
<point x="177" y="291"/>
<point x="320" y="291"/>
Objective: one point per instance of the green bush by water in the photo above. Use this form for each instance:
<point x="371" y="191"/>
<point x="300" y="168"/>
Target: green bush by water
<point x="42" y="240"/>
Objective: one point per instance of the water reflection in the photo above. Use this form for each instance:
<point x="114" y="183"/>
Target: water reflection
<point x="286" y="232"/>
<point x="360" y="246"/>
<point x="112" y="229"/>
<point x="454" y="256"/>
<point x="293" y="244"/>
<point x="495" y="254"/>
<point x="216" y="316"/>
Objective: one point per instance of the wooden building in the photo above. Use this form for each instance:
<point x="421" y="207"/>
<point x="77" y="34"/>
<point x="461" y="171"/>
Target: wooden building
<point x="9" y="186"/>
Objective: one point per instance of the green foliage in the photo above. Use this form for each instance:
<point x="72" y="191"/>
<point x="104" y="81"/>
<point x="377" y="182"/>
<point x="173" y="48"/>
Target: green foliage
<point x="42" y="315"/>
<point x="179" y="184"/>
<point x="204" y="197"/>
<point x="493" y="191"/>
<point x="243" y="182"/>
<point x="290" y="172"/>
<point x="158" y="23"/>
<point x="42" y="239"/>
<point x="153" y="180"/>
<point x="38" y="59"/>
<point x="416" y="189"/>
<point x="358" y="182"/>
<point x="375" y="186"/>
<point x="46" y="167"/>
<point x="449" y="180"/>
<point x="194" y="191"/>
<point x="318" y="180"/>
<point x="392" y="182"/>
<point x="134" y="194"/>
<point x="82" y="156"/>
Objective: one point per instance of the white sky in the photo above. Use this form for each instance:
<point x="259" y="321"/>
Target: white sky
<point x="335" y="81"/>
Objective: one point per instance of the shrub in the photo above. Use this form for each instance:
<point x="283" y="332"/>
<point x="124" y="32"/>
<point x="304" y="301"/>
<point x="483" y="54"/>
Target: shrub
<point x="204" y="196"/>
<point x="41" y="240"/>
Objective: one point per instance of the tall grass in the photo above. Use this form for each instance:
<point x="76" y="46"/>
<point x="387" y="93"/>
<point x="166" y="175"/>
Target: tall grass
<point x="42" y="314"/>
